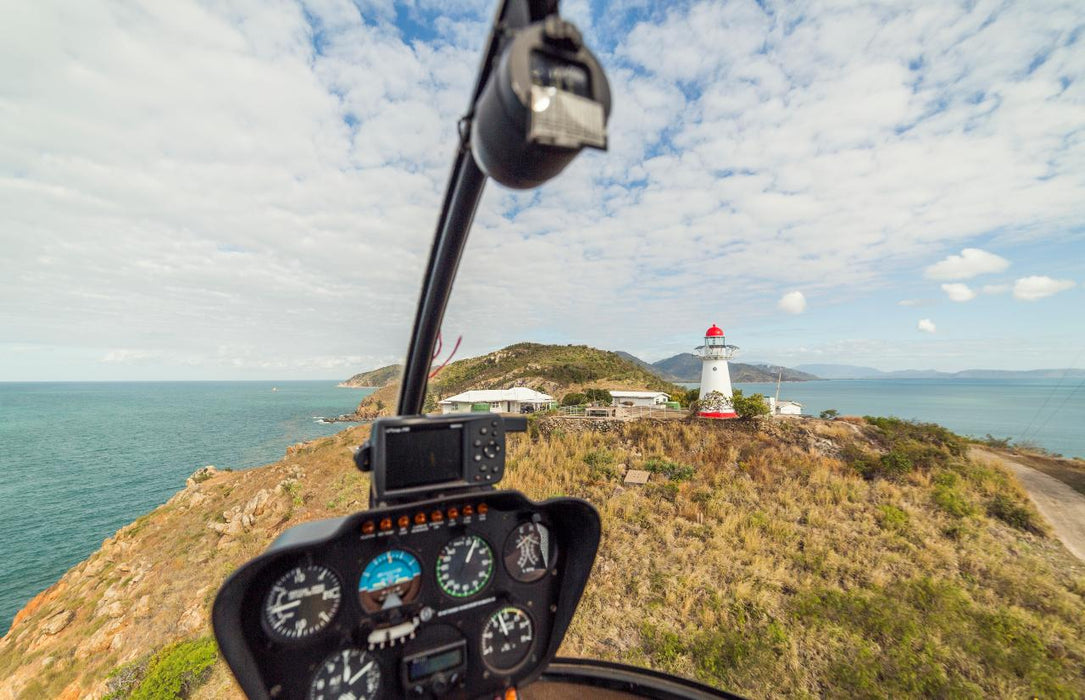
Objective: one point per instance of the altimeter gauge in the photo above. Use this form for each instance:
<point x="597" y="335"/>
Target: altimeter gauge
<point x="348" y="673"/>
<point x="506" y="639"/>
<point x="465" y="566"/>
<point x="301" y="602"/>
<point x="529" y="552"/>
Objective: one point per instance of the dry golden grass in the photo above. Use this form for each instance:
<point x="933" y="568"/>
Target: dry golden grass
<point x="771" y="567"/>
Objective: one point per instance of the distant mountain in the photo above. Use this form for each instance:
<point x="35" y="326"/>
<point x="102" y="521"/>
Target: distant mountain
<point x="648" y="367"/>
<point x="374" y="378"/>
<point x="829" y="371"/>
<point x="686" y="367"/>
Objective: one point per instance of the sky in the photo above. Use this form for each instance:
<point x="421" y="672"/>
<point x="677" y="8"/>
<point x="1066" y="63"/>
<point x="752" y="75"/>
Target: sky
<point x="247" y="189"/>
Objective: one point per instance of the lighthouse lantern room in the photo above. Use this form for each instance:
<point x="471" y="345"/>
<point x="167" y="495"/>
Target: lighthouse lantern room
<point x="716" y="393"/>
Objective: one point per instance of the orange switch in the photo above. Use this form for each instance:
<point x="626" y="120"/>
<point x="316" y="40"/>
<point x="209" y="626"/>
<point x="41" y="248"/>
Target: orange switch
<point x="419" y="518"/>
<point x="511" y="694"/>
<point x="436" y="516"/>
<point x="483" y="509"/>
<point x="453" y="513"/>
<point x="404" y="521"/>
<point x="468" y="510"/>
<point x="369" y="527"/>
<point x="386" y="523"/>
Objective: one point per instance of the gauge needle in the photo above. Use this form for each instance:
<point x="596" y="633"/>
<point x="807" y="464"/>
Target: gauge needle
<point x="501" y="621"/>
<point x="359" y="674"/>
<point x="285" y="606"/>
<point x="471" y="551"/>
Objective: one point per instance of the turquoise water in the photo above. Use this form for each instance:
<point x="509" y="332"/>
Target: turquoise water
<point x="1047" y="412"/>
<point x="81" y="460"/>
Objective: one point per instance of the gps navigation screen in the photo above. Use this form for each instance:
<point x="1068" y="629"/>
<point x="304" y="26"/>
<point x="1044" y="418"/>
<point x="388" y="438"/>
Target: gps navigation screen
<point x="424" y="455"/>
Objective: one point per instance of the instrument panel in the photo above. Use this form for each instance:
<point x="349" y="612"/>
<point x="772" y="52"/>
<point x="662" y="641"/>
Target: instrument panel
<point x="457" y="597"/>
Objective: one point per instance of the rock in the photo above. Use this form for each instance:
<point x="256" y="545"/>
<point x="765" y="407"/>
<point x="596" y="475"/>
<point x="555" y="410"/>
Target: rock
<point x="57" y="621"/>
<point x="114" y="609"/>
<point x="142" y="606"/>
<point x="201" y="474"/>
<point x="190" y="620"/>
<point x="257" y="503"/>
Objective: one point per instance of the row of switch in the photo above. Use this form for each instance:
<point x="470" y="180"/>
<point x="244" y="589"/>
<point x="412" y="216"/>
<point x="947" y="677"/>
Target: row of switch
<point x="420" y="518"/>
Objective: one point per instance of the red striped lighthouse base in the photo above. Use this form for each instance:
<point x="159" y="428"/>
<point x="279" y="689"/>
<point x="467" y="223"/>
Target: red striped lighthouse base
<point x="716" y="414"/>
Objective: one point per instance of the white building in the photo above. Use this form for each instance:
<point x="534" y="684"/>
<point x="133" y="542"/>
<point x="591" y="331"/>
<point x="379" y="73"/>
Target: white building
<point x="515" y="400"/>
<point x="784" y="408"/>
<point x="639" y="398"/>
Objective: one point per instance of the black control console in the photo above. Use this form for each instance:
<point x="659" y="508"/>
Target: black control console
<point x="455" y="590"/>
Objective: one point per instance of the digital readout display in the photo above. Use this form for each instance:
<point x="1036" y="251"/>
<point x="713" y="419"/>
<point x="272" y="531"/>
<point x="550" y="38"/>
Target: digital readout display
<point x="426" y="666"/>
<point x="422" y="455"/>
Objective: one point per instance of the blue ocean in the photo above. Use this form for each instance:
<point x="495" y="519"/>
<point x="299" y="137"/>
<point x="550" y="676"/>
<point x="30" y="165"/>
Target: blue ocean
<point x="81" y="460"/>
<point x="1047" y="413"/>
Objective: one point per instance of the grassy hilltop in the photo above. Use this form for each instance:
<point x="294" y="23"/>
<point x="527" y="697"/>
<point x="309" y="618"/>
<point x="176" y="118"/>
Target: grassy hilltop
<point x="551" y="369"/>
<point x="778" y="557"/>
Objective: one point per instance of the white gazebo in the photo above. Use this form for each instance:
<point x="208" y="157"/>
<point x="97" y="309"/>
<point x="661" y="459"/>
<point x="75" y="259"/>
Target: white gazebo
<point x="518" y="399"/>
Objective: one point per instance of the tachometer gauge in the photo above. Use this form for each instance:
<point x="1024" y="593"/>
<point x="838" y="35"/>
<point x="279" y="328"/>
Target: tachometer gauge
<point x="349" y="673"/>
<point x="301" y="602"/>
<point x="506" y="639"/>
<point x="529" y="552"/>
<point x="389" y="580"/>
<point x="465" y="566"/>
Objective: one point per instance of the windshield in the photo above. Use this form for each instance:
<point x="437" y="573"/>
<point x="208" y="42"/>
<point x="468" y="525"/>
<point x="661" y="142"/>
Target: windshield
<point x="807" y="334"/>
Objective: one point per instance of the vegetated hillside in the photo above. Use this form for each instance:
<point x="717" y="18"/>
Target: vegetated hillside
<point x="686" y="367"/>
<point x="374" y="378"/>
<point x="551" y="369"/>
<point x="779" y="557"/>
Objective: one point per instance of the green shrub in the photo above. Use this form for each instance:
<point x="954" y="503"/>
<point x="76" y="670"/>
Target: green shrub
<point x="672" y="470"/>
<point x="1014" y="514"/>
<point x="947" y="497"/>
<point x="599" y="395"/>
<point x="749" y="406"/>
<point x="829" y="414"/>
<point x="601" y="464"/>
<point x="173" y="672"/>
<point x="892" y="518"/>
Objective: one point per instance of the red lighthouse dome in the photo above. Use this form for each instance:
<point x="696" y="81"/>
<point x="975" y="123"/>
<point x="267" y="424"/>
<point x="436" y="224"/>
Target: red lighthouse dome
<point x="714" y="331"/>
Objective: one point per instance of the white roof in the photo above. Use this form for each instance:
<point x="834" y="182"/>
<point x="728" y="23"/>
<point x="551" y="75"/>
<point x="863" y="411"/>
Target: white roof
<point x="518" y="393"/>
<point x="637" y="394"/>
<point x="789" y="403"/>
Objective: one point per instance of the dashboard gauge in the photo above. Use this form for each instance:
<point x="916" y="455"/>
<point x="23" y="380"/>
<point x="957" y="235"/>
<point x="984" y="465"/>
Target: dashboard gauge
<point x="529" y="552"/>
<point x="302" y="602"/>
<point x="506" y="639"/>
<point x="389" y="580"/>
<point x="465" y="566"/>
<point x="349" y="673"/>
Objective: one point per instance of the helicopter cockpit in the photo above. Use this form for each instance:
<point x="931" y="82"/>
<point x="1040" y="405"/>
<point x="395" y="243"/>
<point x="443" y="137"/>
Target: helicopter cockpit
<point x="446" y="586"/>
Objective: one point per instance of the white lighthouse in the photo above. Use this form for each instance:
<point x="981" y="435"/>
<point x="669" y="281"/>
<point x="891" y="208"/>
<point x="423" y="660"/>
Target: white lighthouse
<point x="715" y="376"/>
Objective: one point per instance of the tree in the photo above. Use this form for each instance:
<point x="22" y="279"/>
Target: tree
<point x="829" y="414"/>
<point x="690" y="397"/>
<point x="574" y="399"/>
<point x="599" y="396"/>
<point x="749" y="406"/>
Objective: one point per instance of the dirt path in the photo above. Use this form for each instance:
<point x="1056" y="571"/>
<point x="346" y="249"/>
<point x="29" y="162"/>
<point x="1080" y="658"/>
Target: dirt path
<point x="1060" y="505"/>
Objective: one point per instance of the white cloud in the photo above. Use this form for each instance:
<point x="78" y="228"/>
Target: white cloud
<point x="1039" y="286"/>
<point x="792" y="303"/>
<point x="970" y="263"/>
<point x="926" y="325"/>
<point x="957" y="291"/>
<point x="996" y="288"/>
<point x="194" y="175"/>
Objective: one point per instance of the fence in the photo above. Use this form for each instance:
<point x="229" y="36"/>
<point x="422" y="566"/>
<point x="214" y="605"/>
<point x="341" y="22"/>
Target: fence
<point x="622" y="412"/>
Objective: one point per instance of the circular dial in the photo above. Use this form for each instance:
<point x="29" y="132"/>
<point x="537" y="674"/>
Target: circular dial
<point x="389" y="580"/>
<point x="465" y="566"/>
<point x="506" y="639"/>
<point x="529" y="552"/>
<point x="302" y="602"/>
<point x="348" y="673"/>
